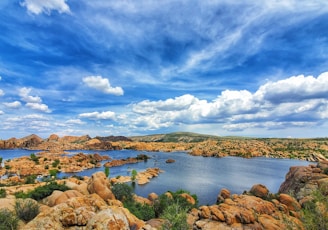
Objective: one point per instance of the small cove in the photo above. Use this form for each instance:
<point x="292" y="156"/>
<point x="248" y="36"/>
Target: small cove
<point x="203" y="176"/>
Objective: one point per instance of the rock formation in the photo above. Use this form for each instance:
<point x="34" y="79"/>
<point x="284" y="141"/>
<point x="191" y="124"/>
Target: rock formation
<point x="100" y="185"/>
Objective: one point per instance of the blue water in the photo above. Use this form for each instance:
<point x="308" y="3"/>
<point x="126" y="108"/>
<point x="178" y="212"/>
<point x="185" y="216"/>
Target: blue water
<point x="203" y="176"/>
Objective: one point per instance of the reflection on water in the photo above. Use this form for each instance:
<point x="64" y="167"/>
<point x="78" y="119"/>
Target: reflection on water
<point x="203" y="176"/>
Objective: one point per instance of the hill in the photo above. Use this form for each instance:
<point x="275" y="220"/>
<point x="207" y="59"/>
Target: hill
<point x="175" y="137"/>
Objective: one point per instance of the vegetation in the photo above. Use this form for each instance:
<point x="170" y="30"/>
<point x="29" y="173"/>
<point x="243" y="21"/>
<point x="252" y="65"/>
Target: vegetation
<point x="43" y="191"/>
<point x="134" y="174"/>
<point x="34" y="158"/>
<point x="172" y="208"/>
<point x="55" y="163"/>
<point x="107" y="171"/>
<point x="26" y="209"/>
<point x="30" y="179"/>
<point x="3" y="193"/>
<point x="314" y="214"/>
<point x="8" y="220"/>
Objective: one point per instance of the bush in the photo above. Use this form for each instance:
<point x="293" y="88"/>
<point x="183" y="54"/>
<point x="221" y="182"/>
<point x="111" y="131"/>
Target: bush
<point x="43" y="191"/>
<point x="142" y="211"/>
<point x="26" y="209"/>
<point x="122" y="191"/>
<point x="176" y="217"/>
<point x="3" y="193"/>
<point x="30" y="179"/>
<point x="8" y="220"/>
<point x="34" y="158"/>
<point x="55" y="163"/>
<point x="314" y="214"/>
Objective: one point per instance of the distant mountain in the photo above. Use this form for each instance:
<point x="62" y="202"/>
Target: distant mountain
<point x="175" y="137"/>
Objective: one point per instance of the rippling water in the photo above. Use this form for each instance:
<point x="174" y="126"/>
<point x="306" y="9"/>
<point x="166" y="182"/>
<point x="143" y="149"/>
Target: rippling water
<point x="204" y="176"/>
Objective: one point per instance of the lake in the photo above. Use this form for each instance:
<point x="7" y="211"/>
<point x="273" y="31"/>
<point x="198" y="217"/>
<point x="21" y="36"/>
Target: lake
<point x="203" y="176"/>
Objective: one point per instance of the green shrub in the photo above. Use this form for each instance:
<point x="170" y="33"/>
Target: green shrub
<point x="176" y="217"/>
<point x="8" y="220"/>
<point x="107" y="171"/>
<point x="34" y="158"/>
<point x="30" y="179"/>
<point x="53" y="173"/>
<point x="3" y="193"/>
<point x="7" y="167"/>
<point x="122" y="191"/>
<point x="43" y="191"/>
<point x="142" y="211"/>
<point x="134" y="174"/>
<point x="314" y="214"/>
<point x="26" y="209"/>
<point x="55" y="163"/>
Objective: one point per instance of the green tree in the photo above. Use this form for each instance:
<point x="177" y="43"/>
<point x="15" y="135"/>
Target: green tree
<point x="134" y="174"/>
<point x="107" y="171"/>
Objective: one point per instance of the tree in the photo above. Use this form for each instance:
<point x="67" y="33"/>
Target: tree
<point x="134" y="174"/>
<point x="107" y="171"/>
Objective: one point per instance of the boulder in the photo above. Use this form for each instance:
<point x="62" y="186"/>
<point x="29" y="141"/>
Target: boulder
<point x="290" y="202"/>
<point x="58" y="197"/>
<point x="188" y="198"/>
<point x="112" y="218"/>
<point x="170" y="161"/>
<point x="259" y="190"/>
<point x="99" y="184"/>
<point x="224" y="194"/>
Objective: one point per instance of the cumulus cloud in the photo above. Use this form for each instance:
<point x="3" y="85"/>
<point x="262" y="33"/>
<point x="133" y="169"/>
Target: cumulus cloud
<point x="12" y="105"/>
<point x="24" y="94"/>
<point x="297" y="101"/>
<point x="32" y="102"/>
<point x="38" y="106"/>
<point x="295" y="88"/>
<point x="1" y="112"/>
<point x="1" y="92"/>
<point x="45" y="6"/>
<point x="102" y="84"/>
<point x="108" y="115"/>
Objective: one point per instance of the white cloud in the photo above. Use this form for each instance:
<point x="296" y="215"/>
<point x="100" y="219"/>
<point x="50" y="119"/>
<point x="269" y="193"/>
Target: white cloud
<point x="108" y="115"/>
<point x="103" y="85"/>
<point x="1" y="112"/>
<point x="33" y="102"/>
<point x="292" y="102"/>
<point x="295" y="88"/>
<point x="12" y="105"/>
<point x="1" y="92"/>
<point x="24" y="94"/>
<point x="45" y="6"/>
<point x="75" y="122"/>
<point x="38" y="106"/>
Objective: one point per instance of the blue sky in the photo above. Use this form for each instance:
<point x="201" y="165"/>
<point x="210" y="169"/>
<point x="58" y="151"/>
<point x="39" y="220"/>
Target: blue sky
<point x="241" y="68"/>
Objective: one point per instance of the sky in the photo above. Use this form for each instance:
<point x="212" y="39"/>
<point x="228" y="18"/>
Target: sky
<point x="107" y="67"/>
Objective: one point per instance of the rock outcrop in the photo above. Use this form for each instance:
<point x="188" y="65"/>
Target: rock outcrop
<point x="301" y="181"/>
<point x="246" y="212"/>
<point x="100" y="185"/>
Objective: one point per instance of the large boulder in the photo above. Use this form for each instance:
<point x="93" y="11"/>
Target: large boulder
<point x="99" y="184"/>
<point x="259" y="190"/>
<point x="58" y="197"/>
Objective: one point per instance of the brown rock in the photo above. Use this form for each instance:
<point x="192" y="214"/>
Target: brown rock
<point x="259" y="190"/>
<point x="112" y="218"/>
<point x="224" y="194"/>
<point x="189" y="198"/>
<point x="99" y="184"/>
<point x="152" y="196"/>
<point x="170" y="161"/>
<point x="290" y="202"/>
